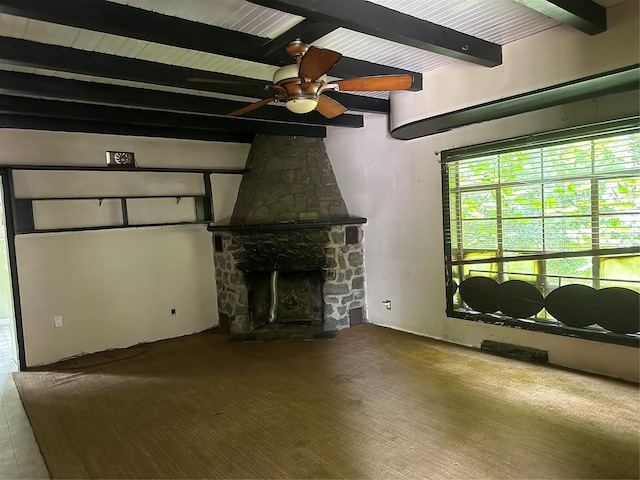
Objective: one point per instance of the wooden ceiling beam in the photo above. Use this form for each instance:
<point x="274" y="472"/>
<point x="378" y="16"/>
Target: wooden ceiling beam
<point x="52" y="57"/>
<point x="116" y="19"/>
<point x="372" y="19"/>
<point x="37" y="107"/>
<point x="361" y="103"/>
<point x="27" y="84"/>
<point x="26" y="122"/>
<point x="585" y="15"/>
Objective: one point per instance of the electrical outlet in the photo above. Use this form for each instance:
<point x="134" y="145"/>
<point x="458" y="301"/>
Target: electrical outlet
<point x="173" y="312"/>
<point x="57" y="321"/>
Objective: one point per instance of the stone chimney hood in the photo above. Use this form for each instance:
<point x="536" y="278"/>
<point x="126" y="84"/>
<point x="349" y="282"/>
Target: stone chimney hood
<point x="289" y="183"/>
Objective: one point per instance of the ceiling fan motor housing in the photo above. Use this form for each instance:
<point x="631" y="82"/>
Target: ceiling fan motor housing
<point x="298" y="100"/>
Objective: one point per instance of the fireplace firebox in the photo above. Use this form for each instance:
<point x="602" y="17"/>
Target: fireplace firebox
<point x="280" y="296"/>
<point x="318" y="281"/>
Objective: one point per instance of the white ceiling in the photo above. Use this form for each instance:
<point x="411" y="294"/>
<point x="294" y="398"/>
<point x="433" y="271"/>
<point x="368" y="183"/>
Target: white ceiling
<point x="497" y="21"/>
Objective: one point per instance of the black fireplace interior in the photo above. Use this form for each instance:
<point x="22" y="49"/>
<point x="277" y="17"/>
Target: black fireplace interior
<point x="291" y="297"/>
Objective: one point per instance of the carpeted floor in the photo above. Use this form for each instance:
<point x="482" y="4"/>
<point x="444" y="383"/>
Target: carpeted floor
<point x="372" y="403"/>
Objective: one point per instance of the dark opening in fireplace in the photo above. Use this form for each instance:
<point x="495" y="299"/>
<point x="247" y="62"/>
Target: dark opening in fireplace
<point x="286" y="297"/>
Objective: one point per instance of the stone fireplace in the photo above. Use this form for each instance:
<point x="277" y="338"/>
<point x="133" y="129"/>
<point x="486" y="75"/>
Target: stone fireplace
<point x="292" y="257"/>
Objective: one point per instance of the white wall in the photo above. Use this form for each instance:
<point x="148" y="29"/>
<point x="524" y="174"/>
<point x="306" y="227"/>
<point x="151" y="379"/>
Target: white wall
<point x="113" y="288"/>
<point x="225" y="193"/>
<point x="33" y="147"/>
<point x="396" y="184"/>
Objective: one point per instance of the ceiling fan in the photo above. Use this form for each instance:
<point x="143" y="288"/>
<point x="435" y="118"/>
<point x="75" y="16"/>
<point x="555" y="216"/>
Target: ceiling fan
<point x="301" y="85"/>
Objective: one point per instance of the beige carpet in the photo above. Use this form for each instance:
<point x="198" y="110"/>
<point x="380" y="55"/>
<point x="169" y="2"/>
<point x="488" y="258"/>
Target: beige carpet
<point x="372" y="403"/>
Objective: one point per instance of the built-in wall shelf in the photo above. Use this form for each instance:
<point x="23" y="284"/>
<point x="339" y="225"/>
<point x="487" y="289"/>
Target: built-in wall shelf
<point x="109" y="197"/>
<point x="53" y="199"/>
<point x="80" y="168"/>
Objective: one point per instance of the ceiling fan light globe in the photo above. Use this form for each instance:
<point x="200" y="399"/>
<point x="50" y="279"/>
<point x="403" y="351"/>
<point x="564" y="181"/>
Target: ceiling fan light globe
<point x="301" y="105"/>
<point x="291" y="71"/>
<point x="284" y="73"/>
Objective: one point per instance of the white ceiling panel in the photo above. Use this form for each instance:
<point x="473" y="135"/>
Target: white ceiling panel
<point x="497" y="21"/>
<point x="377" y="50"/>
<point x="43" y="32"/>
<point x="114" y="81"/>
<point x="238" y="15"/>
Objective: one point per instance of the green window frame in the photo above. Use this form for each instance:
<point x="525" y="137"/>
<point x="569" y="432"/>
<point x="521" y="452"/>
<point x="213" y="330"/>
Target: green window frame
<point x="550" y="210"/>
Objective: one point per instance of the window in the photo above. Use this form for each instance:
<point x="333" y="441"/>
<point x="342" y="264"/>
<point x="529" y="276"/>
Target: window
<point x="551" y="225"/>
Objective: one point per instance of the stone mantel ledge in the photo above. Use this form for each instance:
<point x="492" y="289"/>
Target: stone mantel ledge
<point x="288" y="225"/>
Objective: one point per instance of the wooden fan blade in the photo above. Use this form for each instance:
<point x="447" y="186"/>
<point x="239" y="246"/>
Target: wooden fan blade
<point x="375" y="84"/>
<point x="316" y="62"/>
<point x="328" y="107"/>
<point x="251" y="107"/>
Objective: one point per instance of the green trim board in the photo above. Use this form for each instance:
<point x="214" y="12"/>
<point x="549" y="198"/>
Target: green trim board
<point x="614" y="81"/>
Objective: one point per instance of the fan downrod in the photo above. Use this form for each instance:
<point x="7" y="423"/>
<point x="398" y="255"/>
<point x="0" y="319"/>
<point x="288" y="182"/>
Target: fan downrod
<point x="297" y="49"/>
